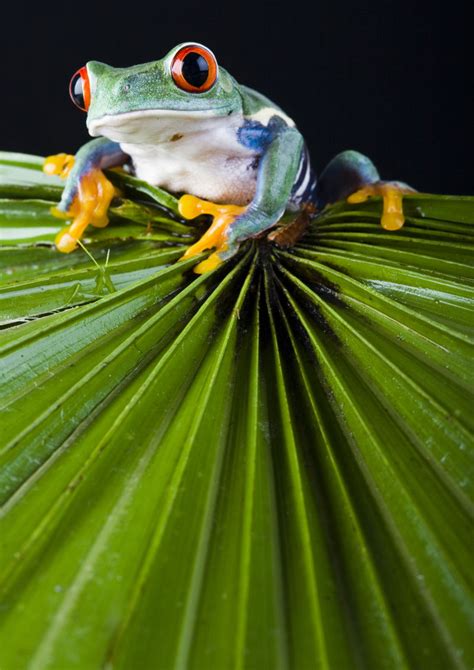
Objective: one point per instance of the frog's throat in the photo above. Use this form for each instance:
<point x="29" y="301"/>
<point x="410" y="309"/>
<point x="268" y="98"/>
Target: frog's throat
<point x="216" y="236"/>
<point x="109" y="122"/>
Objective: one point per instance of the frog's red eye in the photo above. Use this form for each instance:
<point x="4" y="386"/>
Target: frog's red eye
<point x="194" y="68"/>
<point x="80" y="89"/>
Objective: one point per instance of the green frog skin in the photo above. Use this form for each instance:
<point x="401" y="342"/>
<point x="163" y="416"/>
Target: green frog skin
<point x="184" y="124"/>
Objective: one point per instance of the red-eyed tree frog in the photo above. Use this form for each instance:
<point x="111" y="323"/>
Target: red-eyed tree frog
<point x="184" y="124"/>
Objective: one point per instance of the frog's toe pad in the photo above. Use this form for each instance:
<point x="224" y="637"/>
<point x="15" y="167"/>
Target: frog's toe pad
<point x="392" y="194"/>
<point x="65" y="242"/>
<point x="211" y="263"/>
<point x="58" y="164"/>
<point x="216" y="236"/>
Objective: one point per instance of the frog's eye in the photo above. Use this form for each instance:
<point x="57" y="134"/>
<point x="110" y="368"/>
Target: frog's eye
<point x="80" y="89"/>
<point x="194" y="68"/>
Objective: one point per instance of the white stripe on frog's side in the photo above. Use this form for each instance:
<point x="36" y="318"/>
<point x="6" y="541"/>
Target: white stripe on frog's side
<point x="264" y="115"/>
<point x="305" y="183"/>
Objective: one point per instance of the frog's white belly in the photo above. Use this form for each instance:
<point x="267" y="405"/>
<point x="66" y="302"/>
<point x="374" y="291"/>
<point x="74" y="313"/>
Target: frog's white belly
<point x="197" y="154"/>
<point x="214" y="174"/>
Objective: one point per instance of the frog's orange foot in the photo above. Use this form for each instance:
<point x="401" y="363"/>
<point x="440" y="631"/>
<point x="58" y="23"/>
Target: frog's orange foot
<point x="392" y="194"/>
<point x="216" y="236"/>
<point x="59" y="164"/>
<point x="89" y="206"/>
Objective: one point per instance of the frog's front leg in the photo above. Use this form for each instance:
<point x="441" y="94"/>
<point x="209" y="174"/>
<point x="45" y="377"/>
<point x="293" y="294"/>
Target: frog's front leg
<point x="353" y="176"/>
<point x="87" y="193"/>
<point x="277" y="170"/>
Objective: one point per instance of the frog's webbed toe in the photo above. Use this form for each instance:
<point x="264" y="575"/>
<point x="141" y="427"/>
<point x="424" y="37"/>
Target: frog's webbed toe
<point x="392" y="193"/>
<point x="92" y="196"/>
<point x="216" y="236"/>
<point x="58" y="164"/>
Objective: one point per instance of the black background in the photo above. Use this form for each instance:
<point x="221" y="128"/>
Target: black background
<point x="391" y="79"/>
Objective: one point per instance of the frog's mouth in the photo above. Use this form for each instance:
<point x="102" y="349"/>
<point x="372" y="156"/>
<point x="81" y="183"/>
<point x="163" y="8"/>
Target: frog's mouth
<point x="152" y="125"/>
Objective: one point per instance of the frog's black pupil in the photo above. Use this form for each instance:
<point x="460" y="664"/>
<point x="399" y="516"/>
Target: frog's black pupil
<point x="77" y="91"/>
<point x="195" y="69"/>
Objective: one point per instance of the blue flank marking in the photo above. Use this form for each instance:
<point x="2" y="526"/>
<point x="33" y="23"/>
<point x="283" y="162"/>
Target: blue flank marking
<point x="255" y="136"/>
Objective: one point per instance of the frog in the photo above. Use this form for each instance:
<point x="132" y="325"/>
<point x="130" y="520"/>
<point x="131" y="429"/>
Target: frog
<point x="184" y="124"/>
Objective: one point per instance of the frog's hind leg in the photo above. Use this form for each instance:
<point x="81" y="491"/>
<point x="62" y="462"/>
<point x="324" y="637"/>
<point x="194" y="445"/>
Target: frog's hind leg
<point x="217" y="234"/>
<point x="88" y="192"/>
<point x="353" y="176"/>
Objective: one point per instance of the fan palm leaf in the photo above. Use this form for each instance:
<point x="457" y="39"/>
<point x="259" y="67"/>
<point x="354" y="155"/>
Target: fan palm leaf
<point x="266" y="466"/>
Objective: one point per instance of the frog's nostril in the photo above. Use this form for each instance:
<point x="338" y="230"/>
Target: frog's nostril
<point x="126" y="88"/>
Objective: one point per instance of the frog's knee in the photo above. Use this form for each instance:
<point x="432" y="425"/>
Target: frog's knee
<point x="346" y="173"/>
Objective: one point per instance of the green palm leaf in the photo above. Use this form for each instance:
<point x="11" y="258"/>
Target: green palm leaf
<point x="267" y="466"/>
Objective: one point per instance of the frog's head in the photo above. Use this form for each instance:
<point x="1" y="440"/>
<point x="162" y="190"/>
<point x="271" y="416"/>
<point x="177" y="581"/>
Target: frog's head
<point x="135" y="104"/>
